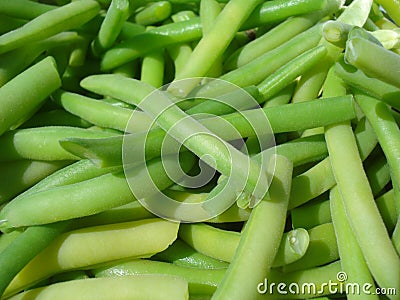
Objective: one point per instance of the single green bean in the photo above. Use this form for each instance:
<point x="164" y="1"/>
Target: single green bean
<point x="52" y="22"/>
<point x="282" y="97"/>
<point x="290" y="71"/>
<point x="372" y="86"/>
<point x="351" y="257"/>
<point x="387" y="208"/>
<point x="154" y="13"/>
<point x="396" y="236"/>
<point x="321" y="250"/>
<point x="358" y="199"/>
<point x="24" y="9"/>
<point x="137" y="239"/>
<point x="378" y="173"/>
<point x="26" y="143"/>
<point x="311" y="215"/>
<point x="279" y="10"/>
<point x="201" y="281"/>
<point x="360" y="53"/>
<point x="320" y="178"/>
<point x="101" y="113"/>
<point x="7" y="237"/>
<point x="388" y="133"/>
<point x="180" y="54"/>
<point x="22" y="96"/>
<point x="117" y="13"/>
<point x="152" y="71"/>
<point x="17" y="176"/>
<point x="153" y="39"/>
<point x="99" y="193"/>
<point x="212" y="45"/>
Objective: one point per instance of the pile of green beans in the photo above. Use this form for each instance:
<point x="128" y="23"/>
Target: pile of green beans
<point x="308" y="209"/>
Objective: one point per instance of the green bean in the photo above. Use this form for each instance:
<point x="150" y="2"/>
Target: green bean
<point x="311" y="215"/>
<point x="24" y="9"/>
<point x="138" y="286"/>
<point x="390" y="39"/>
<point x="279" y="10"/>
<point x="321" y="250"/>
<point x="212" y="45"/>
<point x="152" y="71"/>
<point x="358" y="199"/>
<point x="320" y="178"/>
<point x="360" y="52"/>
<point x="25" y="143"/>
<point x="396" y="236"/>
<point x="24" y="248"/>
<point x="351" y="257"/>
<point x="154" y="13"/>
<point x="180" y="54"/>
<point x="17" y="176"/>
<point x="378" y="174"/>
<point x="387" y="209"/>
<point x="55" y="117"/>
<point x="117" y="13"/>
<point x="181" y="254"/>
<point x="388" y="133"/>
<point x="282" y="97"/>
<point x="372" y="86"/>
<point x="52" y="22"/>
<point x="8" y="237"/>
<point x="150" y="40"/>
<point x="260" y="239"/>
<point x="60" y="256"/>
<point x="99" y="193"/>
<point x="22" y="96"/>
<point x="201" y="281"/>
<point x="101" y="113"/>
<point x="222" y="244"/>
<point x="258" y="69"/>
<point x="290" y="71"/>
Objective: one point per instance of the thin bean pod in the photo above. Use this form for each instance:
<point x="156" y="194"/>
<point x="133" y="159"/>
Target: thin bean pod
<point x="55" y="117"/>
<point x="150" y="40"/>
<point x="60" y="255"/>
<point x="369" y="85"/>
<point x="311" y="215"/>
<point x="24" y="9"/>
<point x="117" y="13"/>
<point x="212" y="45"/>
<point x="393" y="9"/>
<point x="351" y="257"/>
<point x="358" y="199"/>
<point x="152" y="71"/>
<point x="388" y="133"/>
<point x="22" y="96"/>
<point x="50" y="23"/>
<point x="154" y="13"/>
<point x="25" y="143"/>
<point x="201" y="281"/>
<point x="378" y="174"/>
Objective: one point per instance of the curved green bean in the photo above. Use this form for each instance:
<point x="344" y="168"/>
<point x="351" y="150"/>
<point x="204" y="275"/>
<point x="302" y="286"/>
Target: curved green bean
<point x="311" y="215"/>
<point x="154" y="13"/>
